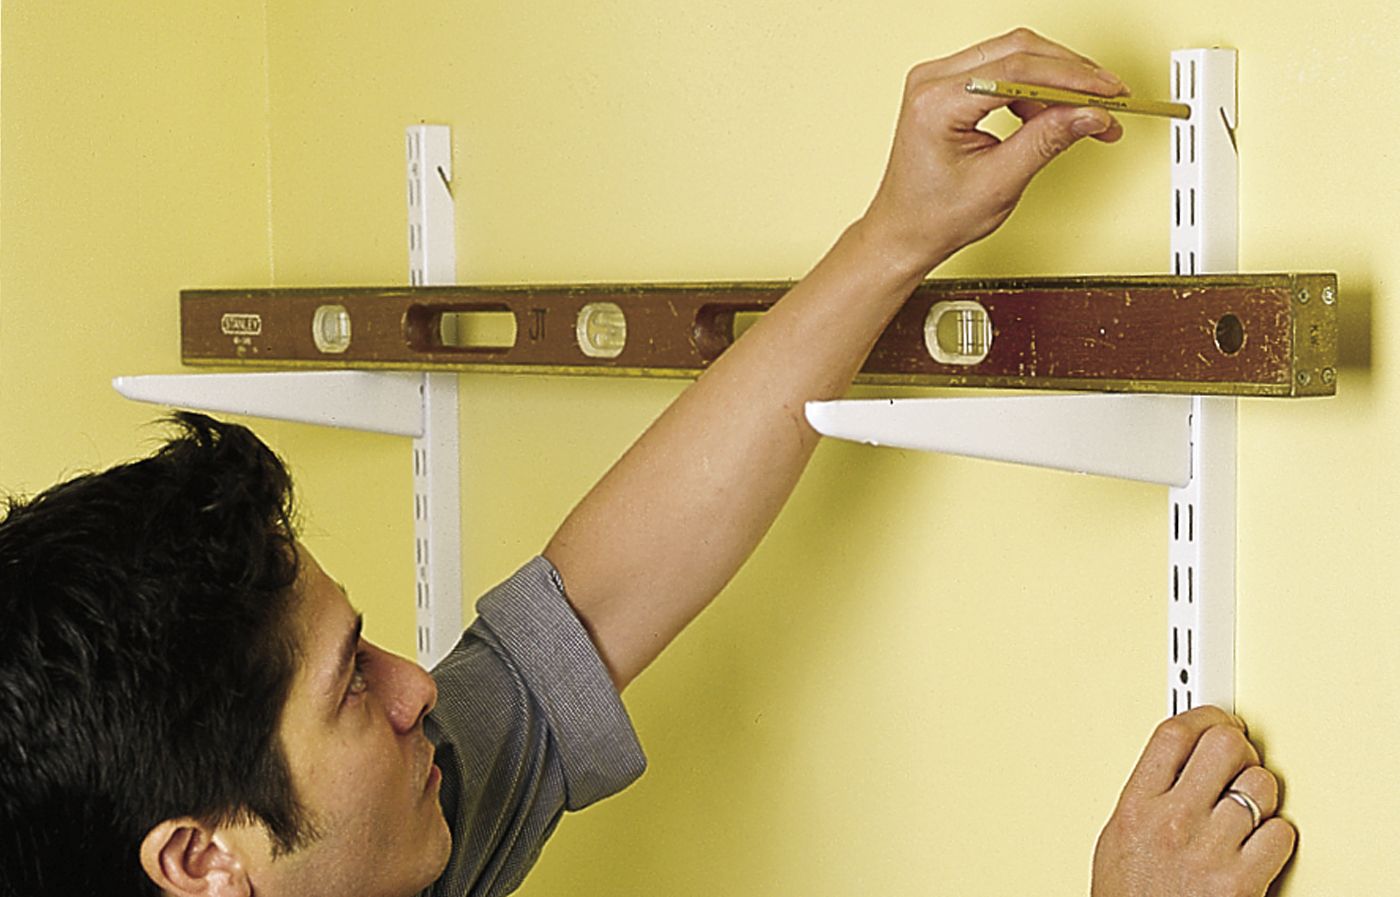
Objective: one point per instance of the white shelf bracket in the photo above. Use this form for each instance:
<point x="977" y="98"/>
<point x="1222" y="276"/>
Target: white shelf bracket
<point x="349" y="400"/>
<point x="421" y="406"/>
<point x="1185" y="443"/>
<point x="1143" y="438"/>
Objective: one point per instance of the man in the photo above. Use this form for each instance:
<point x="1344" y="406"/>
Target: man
<point x="187" y="706"/>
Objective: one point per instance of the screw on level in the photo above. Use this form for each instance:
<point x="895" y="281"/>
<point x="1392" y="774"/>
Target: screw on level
<point x="1329" y="376"/>
<point x="1303" y="296"/>
<point x="1304" y="378"/>
<point x="1329" y="295"/>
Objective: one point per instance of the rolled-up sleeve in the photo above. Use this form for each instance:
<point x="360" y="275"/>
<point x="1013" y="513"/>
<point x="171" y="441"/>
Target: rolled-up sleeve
<point x="527" y="725"/>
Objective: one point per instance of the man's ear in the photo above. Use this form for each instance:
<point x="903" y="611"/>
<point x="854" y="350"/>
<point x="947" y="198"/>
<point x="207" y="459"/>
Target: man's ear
<point x="184" y="857"/>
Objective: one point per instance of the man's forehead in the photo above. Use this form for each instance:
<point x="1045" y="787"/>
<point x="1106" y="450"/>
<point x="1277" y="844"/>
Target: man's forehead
<point x="323" y="600"/>
<point x="326" y="623"/>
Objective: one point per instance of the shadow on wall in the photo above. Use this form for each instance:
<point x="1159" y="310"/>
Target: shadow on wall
<point x="1354" y="339"/>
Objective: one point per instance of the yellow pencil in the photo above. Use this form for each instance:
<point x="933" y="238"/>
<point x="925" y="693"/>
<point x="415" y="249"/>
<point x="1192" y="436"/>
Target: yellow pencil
<point x="1056" y="96"/>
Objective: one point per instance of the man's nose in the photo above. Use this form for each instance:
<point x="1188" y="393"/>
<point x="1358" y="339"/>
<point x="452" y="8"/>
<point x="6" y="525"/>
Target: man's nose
<point x="411" y="693"/>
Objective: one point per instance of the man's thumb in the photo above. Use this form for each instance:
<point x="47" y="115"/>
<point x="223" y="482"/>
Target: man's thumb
<point x="1050" y="133"/>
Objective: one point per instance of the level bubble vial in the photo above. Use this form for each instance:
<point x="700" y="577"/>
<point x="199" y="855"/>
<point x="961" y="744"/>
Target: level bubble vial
<point x="958" y="332"/>
<point x="330" y="328"/>
<point x="602" y="330"/>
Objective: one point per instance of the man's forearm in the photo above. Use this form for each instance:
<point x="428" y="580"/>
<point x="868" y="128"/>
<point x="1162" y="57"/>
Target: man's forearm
<point x="704" y="483"/>
<point x="676" y="517"/>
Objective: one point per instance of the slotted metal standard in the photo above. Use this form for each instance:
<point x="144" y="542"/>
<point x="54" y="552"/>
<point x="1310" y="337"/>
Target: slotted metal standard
<point x="1201" y="512"/>
<point x="437" y="455"/>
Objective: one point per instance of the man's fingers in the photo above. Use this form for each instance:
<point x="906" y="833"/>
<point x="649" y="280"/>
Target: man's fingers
<point x="1163" y="836"/>
<point x="1233" y="816"/>
<point x="1026" y="110"/>
<point x="1047" y="135"/>
<point x="965" y="109"/>
<point x="948" y="183"/>
<point x="1022" y="40"/>
<point x="1261" y="785"/>
<point x="1050" y="71"/>
<point x="1170" y="747"/>
<point x="1266" y="852"/>
<point x="1221" y="753"/>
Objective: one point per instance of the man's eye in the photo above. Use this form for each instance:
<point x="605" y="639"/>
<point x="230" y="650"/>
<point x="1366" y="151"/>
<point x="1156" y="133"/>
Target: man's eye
<point x="358" y="681"/>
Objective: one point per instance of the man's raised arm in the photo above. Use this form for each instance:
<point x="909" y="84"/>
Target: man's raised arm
<point x="662" y="533"/>
<point x="665" y="530"/>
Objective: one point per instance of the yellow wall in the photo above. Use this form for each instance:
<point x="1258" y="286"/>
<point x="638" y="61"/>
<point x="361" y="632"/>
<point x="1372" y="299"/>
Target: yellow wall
<point x="935" y="673"/>
<point x="134" y="162"/>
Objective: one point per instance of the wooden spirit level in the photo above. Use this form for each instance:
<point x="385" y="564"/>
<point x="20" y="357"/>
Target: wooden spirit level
<point x="1247" y="335"/>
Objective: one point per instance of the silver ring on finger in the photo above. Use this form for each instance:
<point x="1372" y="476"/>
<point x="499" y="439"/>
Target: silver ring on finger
<point x="1256" y="815"/>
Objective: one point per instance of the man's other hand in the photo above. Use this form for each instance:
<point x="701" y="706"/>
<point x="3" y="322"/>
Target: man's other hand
<point x="1179" y="831"/>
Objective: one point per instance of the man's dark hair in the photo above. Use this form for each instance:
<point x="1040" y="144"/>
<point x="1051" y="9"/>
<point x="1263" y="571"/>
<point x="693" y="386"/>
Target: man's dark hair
<point x="146" y="654"/>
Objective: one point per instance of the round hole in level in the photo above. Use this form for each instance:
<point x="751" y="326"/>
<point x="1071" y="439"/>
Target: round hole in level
<point x="1185" y="677"/>
<point x="1229" y="334"/>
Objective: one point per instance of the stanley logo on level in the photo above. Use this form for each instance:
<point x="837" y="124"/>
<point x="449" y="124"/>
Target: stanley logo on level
<point x="240" y="325"/>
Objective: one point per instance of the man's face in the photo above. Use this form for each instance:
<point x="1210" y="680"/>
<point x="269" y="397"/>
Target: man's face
<point x="362" y="767"/>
